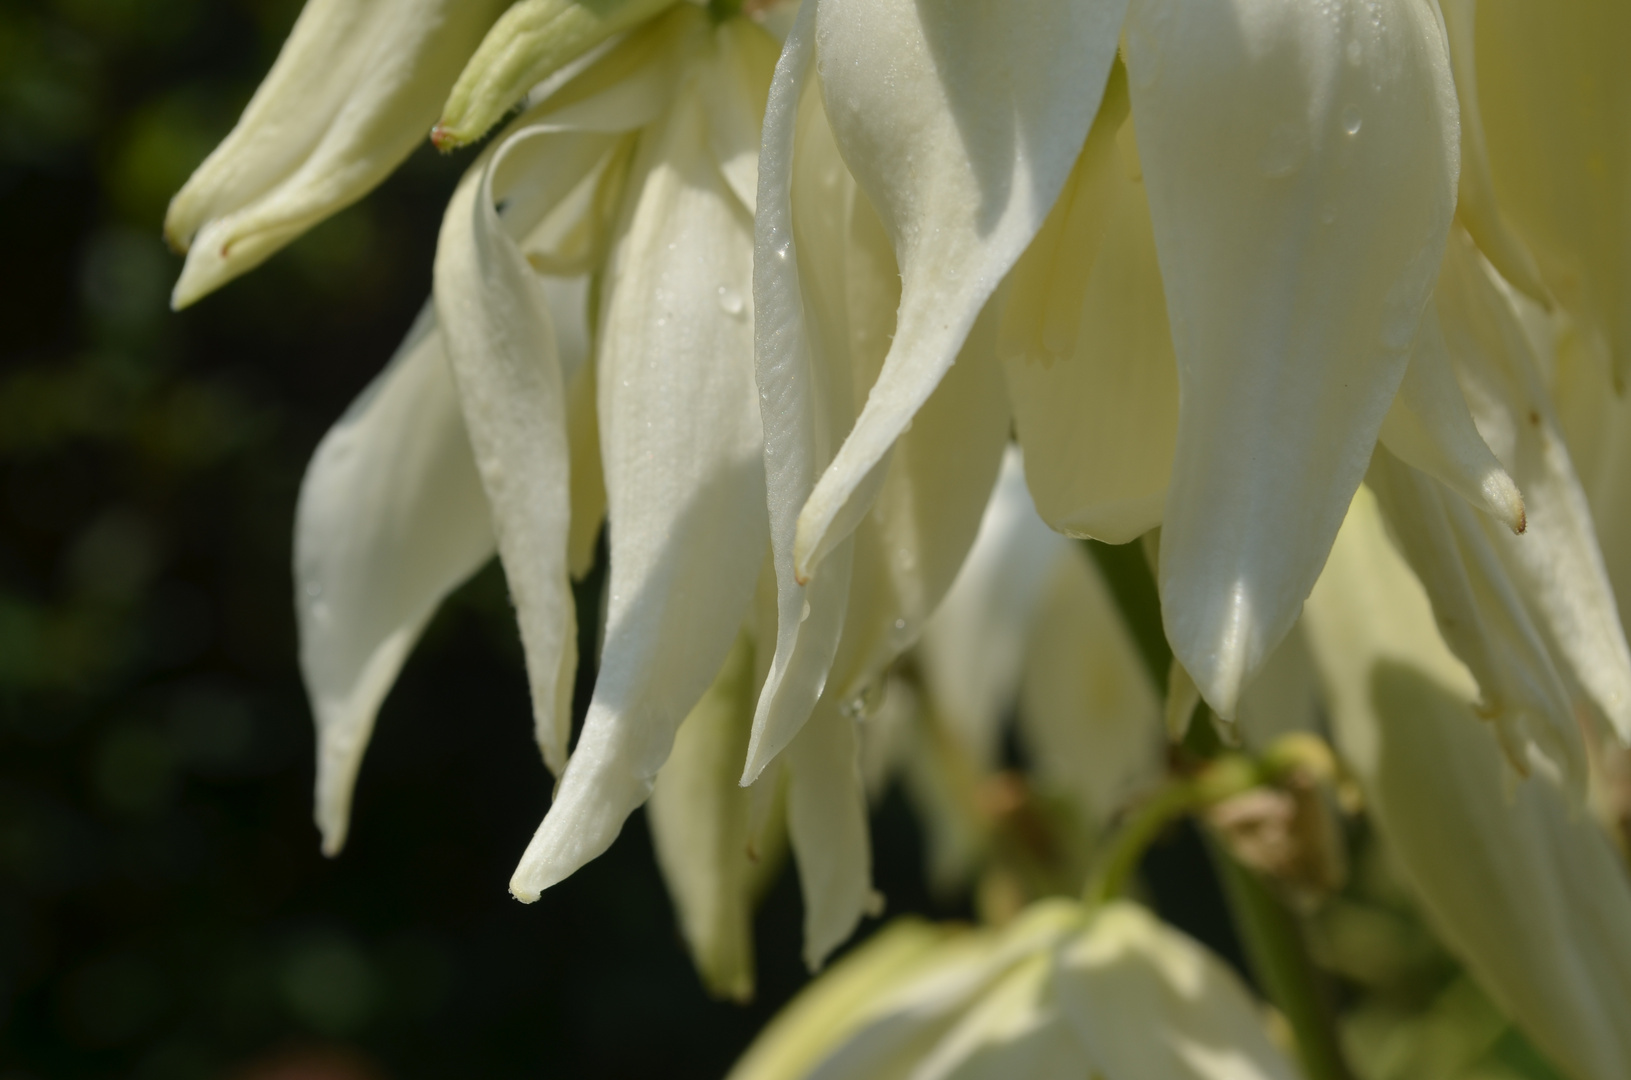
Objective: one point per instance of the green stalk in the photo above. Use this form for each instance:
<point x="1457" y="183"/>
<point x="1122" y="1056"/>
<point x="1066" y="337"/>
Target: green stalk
<point x="1279" y="957"/>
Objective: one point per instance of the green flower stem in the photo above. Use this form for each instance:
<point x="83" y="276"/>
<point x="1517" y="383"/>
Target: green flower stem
<point x="1222" y="778"/>
<point x="1279" y="957"/>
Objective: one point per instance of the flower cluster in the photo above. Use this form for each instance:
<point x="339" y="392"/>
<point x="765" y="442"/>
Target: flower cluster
<point x="843" y="318"/>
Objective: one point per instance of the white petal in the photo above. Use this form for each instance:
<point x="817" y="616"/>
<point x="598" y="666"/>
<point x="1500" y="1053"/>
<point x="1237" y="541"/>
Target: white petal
<point x="1086" y="347"/>
<point x="1429" y="428"/>
<point x="682" y="452"/>
<point x="1013" y="1030"/>
<point x="831" y="1007"/>
<point x="803" y="393"/>
<point x="962" y="130"/>
<point x="1087" y="710"/>
<point x="1557" y="561"/>
<point x="826" y="822"/>
<point x="1301" y="165"/>
<point x="353" y="91"/>
<point x="973" y="649"/>
<point x="905" y="1019"/>
<point x="1525" y="891"/>
<point x="500" y="337"/>
<point x="391" y="519"/>
<point x="699" y="825"/>
<point x="1480" y="613"/>
<point x="1151" y="1004"/>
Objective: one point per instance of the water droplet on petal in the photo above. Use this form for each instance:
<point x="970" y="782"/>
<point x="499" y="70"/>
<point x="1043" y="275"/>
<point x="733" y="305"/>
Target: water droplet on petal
<point x="1351" y="120"/>
<point x="730" y="301"/>
<point x="805" y="614"/>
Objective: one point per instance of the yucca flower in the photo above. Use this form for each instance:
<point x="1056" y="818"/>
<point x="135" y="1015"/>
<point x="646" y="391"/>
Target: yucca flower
<point x="1060" y="991"/>
<point x="1321" y="302"/>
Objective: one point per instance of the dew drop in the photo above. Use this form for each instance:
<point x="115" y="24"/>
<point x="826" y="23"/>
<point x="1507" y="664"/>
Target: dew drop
<point x="805" y="614"/>
<point x="1351" y="120"/>
<point x="730" y="301"/>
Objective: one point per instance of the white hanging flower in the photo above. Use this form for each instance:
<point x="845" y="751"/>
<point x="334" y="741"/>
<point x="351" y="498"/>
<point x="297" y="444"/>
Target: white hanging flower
<point x="1061" y="991"/>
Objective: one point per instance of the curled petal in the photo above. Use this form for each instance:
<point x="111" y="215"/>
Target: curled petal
<point x="803" y="389"/>
<point x="961" y="125"/>
<point x="353" y="91"/>
<point x="683" y="459"/>
<point x="500" y="337"/>
<point x="391" y="519"/>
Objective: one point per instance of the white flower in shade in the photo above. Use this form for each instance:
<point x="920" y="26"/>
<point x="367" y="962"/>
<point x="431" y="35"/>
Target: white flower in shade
<point x="1521" y="886"/>
<point x="1060" y="991"/>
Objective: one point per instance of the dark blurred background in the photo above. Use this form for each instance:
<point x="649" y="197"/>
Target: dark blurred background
<point x="164" y="910"/>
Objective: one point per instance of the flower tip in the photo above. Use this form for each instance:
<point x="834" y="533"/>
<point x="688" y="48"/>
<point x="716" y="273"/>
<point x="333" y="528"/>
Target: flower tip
<point x="445" y="138"/>
<point x="521" y="892"/>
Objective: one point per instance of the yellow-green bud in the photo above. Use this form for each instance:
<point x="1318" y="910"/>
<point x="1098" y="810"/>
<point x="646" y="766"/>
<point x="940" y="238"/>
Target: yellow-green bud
<point x="531" y="41"/>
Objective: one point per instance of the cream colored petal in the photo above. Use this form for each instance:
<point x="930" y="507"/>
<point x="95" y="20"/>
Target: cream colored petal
<point x="635" y="81"/>
<point x="1557" y="562"/>
<point x="1301" y="163"/>
<point x="903" y="1022"/>
<point x="1087" y="710"/>
<point x="1481" y="614"/>
<point x="1555" y="97"/>
<point x="530" y="42"/>
<point x="974" y="648"/>
<point x="500" y="337"/>
<point x="1525" y="891"/>
<point x="827" y="825"/>
<point x="391" y="519"/>
<point x="1086" y="348"/>
<point x="353" y="91"/>
<point x="1151" y="1004"/>
<point x="831" y="1007"/>
<point x="735" y="89"/>
<point x="961" y="125"/>
<point x="1476" y="205"/>
<point x="682" y="453"/>
<point x="1429" y="428"/>
<point x="699" y="826"/>
<point x="803" y="391"/>
<point x="1013" y="1030"/>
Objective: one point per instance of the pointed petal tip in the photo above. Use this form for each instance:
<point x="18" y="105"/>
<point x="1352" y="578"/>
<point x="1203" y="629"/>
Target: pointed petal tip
<point x="445" y="139"/>
<point x="1505" y="501"/>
